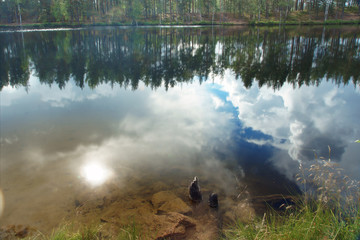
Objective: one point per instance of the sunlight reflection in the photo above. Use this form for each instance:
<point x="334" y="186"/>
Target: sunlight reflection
<point x="95" y="173"/>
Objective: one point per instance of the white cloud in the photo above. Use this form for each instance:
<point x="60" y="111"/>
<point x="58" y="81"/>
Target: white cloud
<point x="217" y="102"/>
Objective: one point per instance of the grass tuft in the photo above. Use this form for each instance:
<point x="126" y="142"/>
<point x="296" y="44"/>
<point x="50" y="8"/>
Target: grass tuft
<point x="329" y="209"/>
<point x="67" y="232"/>
<point x="129" y="232"/>
<point x="303" y="223"/>
<point x="93" y="232"/>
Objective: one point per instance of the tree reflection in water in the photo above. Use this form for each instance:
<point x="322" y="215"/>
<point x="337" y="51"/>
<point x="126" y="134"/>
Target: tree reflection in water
<point x="170" y="56"/>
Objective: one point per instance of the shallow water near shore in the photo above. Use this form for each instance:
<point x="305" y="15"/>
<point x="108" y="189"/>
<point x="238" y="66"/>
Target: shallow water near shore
<point x="99" y="124"/>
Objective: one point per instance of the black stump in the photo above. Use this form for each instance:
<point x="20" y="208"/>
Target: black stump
<point x="194" y="190"/>
<point x="213" y="200"/>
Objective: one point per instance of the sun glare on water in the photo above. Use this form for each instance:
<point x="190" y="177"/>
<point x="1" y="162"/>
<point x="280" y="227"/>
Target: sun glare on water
<point x="95" y="173"/>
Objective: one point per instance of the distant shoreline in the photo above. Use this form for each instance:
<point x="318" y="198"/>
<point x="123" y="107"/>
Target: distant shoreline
<point x="202" y="23"/>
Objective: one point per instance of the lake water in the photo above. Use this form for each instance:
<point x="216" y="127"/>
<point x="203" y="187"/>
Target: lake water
<point x="96" y="121"/>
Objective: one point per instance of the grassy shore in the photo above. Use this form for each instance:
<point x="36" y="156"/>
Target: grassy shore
<point x="329" y="209"/>
<point x="350" y="16"/>
<point x="67" y="231"/>
<point x="306" y="222"/>
<point x="305" y="23"/>
<point x="194" y="23"/>
<point x="105" y="24"/>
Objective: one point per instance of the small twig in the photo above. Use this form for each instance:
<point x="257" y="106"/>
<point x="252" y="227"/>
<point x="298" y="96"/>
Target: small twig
<point x="242" y="191"/>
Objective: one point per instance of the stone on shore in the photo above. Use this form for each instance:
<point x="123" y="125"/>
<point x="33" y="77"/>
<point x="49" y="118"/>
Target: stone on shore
<point x="175" y="226"/>
<point x="166" y="201"/>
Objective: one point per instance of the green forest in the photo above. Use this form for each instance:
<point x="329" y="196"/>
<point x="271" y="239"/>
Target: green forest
<point x="173" y="11"/>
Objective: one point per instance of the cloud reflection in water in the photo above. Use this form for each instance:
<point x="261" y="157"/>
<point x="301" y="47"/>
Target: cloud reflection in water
<point x="300" y="121"/>
<point x="191" y="126"/>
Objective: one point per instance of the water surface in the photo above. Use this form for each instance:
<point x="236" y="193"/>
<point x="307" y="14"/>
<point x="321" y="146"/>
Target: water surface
<point x="99" y="116"/>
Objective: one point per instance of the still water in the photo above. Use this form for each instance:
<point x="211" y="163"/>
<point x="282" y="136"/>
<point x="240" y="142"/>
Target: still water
<point x="96" y="121"/>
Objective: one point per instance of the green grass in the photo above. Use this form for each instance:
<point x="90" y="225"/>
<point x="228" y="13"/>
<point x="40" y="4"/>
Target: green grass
<point x="130" y="232"/>
<point x="341" y="22"/>
<point x="67" y="232"/>
<point x="93" y="232"/>
<point x="303" y="223"/>
<point x="330" y="210"/>
<point x="308" y="22"/>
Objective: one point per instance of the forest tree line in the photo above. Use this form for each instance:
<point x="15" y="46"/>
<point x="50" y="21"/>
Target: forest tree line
<point x="159" y="11"/>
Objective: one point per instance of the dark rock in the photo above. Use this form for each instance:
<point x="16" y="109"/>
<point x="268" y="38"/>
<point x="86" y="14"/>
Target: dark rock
<point x="22" y="233"/>
<point x="77" y="203"/>
<point x="213" y="200"/>
<point x="15" y="231"/>
<point x="194" y="190"/>
<point x="100" y="206"/>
